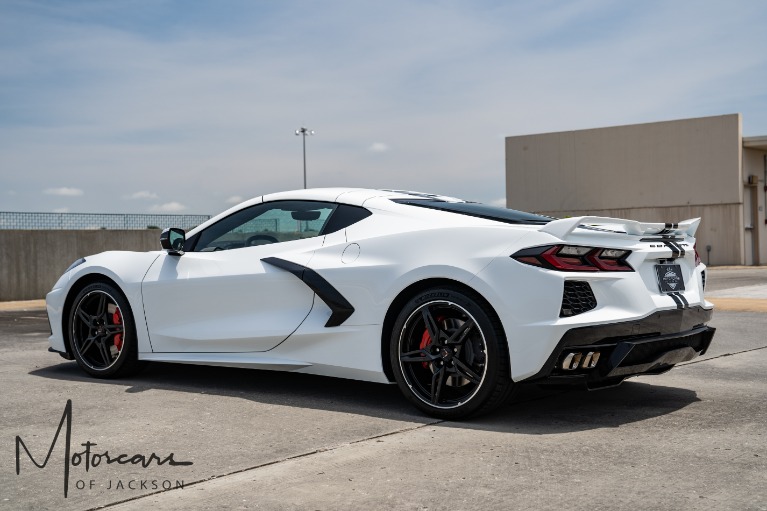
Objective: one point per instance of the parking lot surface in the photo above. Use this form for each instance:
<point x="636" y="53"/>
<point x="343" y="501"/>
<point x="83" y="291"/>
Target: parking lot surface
<point x="693" y="438"/>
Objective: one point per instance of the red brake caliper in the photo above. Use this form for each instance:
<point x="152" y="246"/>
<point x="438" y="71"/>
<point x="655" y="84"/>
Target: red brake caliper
<point x="117" y="319"/>
<point x="426" y="340"/>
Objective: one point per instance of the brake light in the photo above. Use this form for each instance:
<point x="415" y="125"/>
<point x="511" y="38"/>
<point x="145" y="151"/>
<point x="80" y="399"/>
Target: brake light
<point x="697" y="255"/>
<point x="567" y="258"/>
<point x="575" y="258"/>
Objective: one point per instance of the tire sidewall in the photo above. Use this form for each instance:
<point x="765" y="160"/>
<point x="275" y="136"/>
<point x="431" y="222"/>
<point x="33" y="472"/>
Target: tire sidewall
<point x="129" y="350"/>
<point x="494" y="353"/>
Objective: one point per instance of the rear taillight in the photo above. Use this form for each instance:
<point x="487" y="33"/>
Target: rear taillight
<point x="575" y="258"/>
<point x="697" y="255"/>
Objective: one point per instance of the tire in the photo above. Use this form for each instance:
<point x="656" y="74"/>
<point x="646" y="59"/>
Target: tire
<point x="466" y="372"/>
<point x="102" y="333"/>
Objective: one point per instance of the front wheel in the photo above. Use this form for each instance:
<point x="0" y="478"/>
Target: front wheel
<point x="102" y="334"/>
<point x="449" y="354"/>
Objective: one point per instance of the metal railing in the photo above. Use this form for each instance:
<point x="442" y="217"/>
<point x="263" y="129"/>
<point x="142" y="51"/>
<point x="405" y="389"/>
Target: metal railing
<point x="78" y="221"/>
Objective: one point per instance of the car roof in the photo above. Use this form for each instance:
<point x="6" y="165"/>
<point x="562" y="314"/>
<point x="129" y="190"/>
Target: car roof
<point x="353" y="196"/>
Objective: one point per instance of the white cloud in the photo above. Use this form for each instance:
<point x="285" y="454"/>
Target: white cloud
<point x="144" y="194"/>
<point x="61" y="210"/>
<point x="378" y="147"/>
<point x="63" y="191"/>
<point x="168" y="207"/>
<point x="234" y="199"/>
<point x="207" y="106"/>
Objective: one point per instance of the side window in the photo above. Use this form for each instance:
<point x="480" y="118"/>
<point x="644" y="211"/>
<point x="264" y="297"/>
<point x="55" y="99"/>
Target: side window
<point x="344" y="216"/>
<point x="262" y="224"/>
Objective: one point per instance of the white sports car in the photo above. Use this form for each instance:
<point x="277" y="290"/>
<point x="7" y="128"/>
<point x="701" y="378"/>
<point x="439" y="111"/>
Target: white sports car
<point x="457" y="302"/>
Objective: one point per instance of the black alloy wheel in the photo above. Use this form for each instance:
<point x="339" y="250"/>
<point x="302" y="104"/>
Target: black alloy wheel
<point x="449" y="354"/>
<point x="102" y="334"/>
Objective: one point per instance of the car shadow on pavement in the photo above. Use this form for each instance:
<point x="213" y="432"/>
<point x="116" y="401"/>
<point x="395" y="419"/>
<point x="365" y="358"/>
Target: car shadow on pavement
<point x="543" y="412"/>
<point x="534" y="410"/>
<point x="268" y="387"/>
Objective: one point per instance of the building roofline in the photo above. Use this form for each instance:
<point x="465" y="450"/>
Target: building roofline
<point x="629" y="126"/>
<point x="759" y="142"/>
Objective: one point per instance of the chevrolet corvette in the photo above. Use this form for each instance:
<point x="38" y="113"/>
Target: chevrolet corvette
<point x="456" y="302"/>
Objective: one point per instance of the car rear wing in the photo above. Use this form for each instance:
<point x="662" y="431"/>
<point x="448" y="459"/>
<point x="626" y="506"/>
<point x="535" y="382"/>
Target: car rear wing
<point x="562" y="228"/>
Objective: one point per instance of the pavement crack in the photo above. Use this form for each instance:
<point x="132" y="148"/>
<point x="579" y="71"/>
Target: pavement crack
<point x="269" y="463"/>
<point x="720" y="356"/>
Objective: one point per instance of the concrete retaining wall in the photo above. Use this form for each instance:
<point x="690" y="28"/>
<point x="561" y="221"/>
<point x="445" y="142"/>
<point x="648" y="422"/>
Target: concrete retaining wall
<point x="32" y="261"/>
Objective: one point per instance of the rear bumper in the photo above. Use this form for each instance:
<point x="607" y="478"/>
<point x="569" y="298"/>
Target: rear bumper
<point x="652" y="345"/>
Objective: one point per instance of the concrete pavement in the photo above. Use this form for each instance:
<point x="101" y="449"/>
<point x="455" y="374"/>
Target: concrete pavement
<point x="693" y="438"/>
<point x="738" y="288"/>
<point x="22" y="305"/>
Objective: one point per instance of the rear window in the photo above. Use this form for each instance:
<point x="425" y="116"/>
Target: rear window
<point x="508" y="216"/>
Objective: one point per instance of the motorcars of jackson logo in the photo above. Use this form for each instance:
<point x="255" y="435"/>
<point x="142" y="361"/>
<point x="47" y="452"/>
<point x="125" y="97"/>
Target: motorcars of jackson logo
<point x="91" y="458"/>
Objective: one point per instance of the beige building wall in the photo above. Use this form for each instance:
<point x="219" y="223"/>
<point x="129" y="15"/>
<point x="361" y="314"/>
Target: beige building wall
<point x="657" y="172"/>
<point x="754" y="206"/>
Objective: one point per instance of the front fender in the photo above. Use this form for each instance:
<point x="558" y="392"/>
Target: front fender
<point x="125" y="269"/>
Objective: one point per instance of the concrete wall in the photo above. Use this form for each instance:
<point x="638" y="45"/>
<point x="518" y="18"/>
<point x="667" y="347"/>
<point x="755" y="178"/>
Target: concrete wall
<point x="663" y="171"/>
<point x="32" y="261"/>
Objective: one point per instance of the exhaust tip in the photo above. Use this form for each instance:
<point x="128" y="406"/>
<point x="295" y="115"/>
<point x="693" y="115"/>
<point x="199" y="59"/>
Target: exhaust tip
<point x="576" y="359"/>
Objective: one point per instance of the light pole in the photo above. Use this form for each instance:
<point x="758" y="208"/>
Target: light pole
<point x="304" y="132"/>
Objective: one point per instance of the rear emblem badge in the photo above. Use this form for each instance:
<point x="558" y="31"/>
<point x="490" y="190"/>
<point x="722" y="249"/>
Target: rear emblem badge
<point x="671" y="279"/>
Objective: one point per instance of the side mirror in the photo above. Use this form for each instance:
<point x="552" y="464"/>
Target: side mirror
<point x="173" y="240"/>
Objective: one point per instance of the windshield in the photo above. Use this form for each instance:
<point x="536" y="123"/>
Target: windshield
<point x="509" y="216"/>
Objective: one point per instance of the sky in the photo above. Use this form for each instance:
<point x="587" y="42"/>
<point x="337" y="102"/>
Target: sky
<point x="185" y="106"/>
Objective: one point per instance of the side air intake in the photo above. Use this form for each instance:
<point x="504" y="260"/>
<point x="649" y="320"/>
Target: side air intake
<point x="577" y="299"/>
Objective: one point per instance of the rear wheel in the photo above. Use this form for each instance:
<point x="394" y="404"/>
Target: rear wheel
<point x="449" y="354"/>
<point x="102" y="334"/>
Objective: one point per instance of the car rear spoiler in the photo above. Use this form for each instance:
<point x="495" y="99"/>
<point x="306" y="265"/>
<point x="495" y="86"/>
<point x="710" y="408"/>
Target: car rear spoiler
<point x="562" y="228"/>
